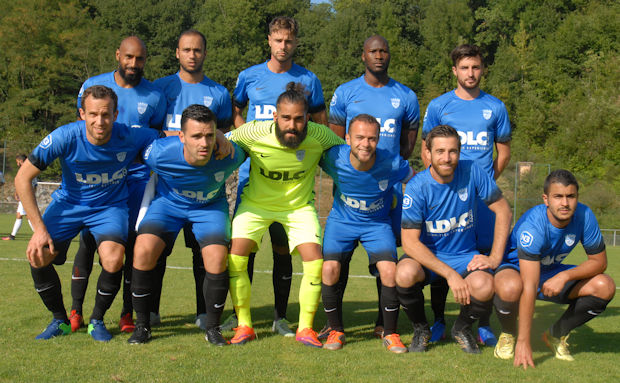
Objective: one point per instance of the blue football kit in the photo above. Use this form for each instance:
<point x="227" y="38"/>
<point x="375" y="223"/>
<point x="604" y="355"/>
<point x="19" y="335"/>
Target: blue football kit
<point x="362" y="201"/>
<point x="446" y="213"/>
<point x="189" y="194"/>
<point x="94" y="179"/>
<point x="180" y="94"/>
<point x="534" y="238"/>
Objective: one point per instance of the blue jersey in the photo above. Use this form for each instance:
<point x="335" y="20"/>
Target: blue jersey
<point x="261" y="87"/>
<point x="92" y="175"/>
<point x="535" y="238"/>
<point x="142" y="106"/>
<point x="446" y="213"/>
<point x="186" y="185"/>
<point x="363" y="196"/>
<point x="180" y="94"/>
<point x="394" y="105"/>
<point x="480" y="122"/>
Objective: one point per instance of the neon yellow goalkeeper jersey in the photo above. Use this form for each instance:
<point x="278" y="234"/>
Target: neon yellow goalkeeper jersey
<point x="281" y="178"/>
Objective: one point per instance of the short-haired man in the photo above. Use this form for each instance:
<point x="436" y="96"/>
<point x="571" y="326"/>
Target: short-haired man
<point x="187" y="87"/>
<point x="533" y="269"/>
<point x="140" y="105"/>
<point x="94" y="155"/>
<point x="284" y="154"/>
<point x="482" y="122"/>
<point x="258" y="88"/>
<point x="363" y="177"/>
<point x="439" y="218"/>
<point x="21" y="213"/>
<point x="189" y="190"/>
<point x="396" y="108"/>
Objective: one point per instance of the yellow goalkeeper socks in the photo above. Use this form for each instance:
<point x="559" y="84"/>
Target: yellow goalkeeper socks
<point x="240" y="288"/>
<point x="309" y="293"/>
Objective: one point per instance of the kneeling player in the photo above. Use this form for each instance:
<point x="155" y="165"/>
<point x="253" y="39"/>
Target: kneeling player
<point x="363" y="178"/>
<point x="438" y="234"/>
<point x="540" y="241"/>
<point x="94" y="155"/>
<point x="189" y="190"/>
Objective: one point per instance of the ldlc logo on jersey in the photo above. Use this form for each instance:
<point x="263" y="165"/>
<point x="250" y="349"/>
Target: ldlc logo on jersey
<point x="383" y="184"/>
<point x="388" y="126"/>
<point x="526" y="239"/>
<point x="47" y="142"/>
<point x="199" y="196"/>
<point x="569" y="240"/>
<point x="467" y="138"/>
<point x="101" y="179"/>
<point x="407" y="201"/>
<point x="395" y="102"/>
<point x="208" y="100"/>
<point x="264" y="112"/>
<point x="219" y="176"/>
<point x="443" y="226"/>
<point x="361" y="204"/>
<point x="550" y="259"/>
<point x="142" y="106"/>
<point x="281" y="176"/>
<point x="300" y="154"/>
<point x="121" y="156"/>
<point x="462" y="194"/>
<point x="487" y="113"/>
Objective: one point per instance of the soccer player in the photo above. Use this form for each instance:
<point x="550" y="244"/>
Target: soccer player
<point x="189" y="189"/>
<point x="187" y="87"/>
<point x="94" y="155"/>
<point x="482" y="122"/>
<point x="396" y="108"/>
<point x="21" y="213"/>
<point x="533" y="269"/>
<point x="363" y="177"/>
<point x="140" y="105"/>
<point x="439" y="218"/>
<point x="258" y="88"/>
<point x="284" y="155"/>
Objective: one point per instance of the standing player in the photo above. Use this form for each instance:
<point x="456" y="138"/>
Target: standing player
<point x="533" y="269"/>
<point x="187" y="87"/>
<point x="396" y="108"/>
<point x="482" y="122"/>
<point x="189" y="189"/>
<point x="140" y="105"/>
<point x="94" y="155"/>
<point x="439" y="218"/>
<point x="363" y="177"/>
<point x="258" y="88"/>
<point x="21" y="213"/>
<point x="284" y="154"/>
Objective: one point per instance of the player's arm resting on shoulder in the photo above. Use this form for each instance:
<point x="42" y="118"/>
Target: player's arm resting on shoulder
<point x="223" y="146"/>
<point x="237" y="116"/>
<point x="530" y="274"/>
<point x="338" y="129"/>
<point x="417" y="250"/>
<point x="502" y="159"/>
<point x="409" y="176"/>
<point x="594" y="265"/>
<point x="319" y="117"/>
<point x="23" y="186"/>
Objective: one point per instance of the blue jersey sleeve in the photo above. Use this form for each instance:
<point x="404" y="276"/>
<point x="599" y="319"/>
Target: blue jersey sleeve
<point x="530" y="242"/>
<point x="338" y="108"/>
<point x="486" y="188"/>
<point x="431" y="118"/>
<point x="503" y="130"/>
<point x="316" y="101"/>
<point x="240" y="94"/>
<point x="413" y="206"/>
<point x="52" y="147"/>
<point x="400" y="169"/>
<point x="592" y="240"/>
<point x="327" y="162"/>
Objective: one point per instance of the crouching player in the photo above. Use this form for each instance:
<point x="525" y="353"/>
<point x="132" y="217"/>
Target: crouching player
<point x="94" y="155"/>
<point x="189" y="190"/>
<point x="438" y="234"/>
<point x="540" y="241"/>
<point x="363" y="178"/>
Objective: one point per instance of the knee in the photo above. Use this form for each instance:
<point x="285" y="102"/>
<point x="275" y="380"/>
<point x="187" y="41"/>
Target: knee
<point x="112" y="264"/>
<point x="388" y="275"/>
<point x="603" y="286"/>
<point x="481" y="285"/>
<point x="407" y="274"/>
<point x="331" y="272"/>
<point x="507" y="286"/>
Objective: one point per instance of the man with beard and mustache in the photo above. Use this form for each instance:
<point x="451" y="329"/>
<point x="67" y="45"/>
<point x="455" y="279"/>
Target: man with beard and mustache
<point x="258" y="88"/>
<point x="482" y="122"/>
<point x="140" y="105"/>
<point x="284" y="154"/>
<point x="396" y="108"/>
<point x="439" y="239"/>
<point x="187" y="87"/>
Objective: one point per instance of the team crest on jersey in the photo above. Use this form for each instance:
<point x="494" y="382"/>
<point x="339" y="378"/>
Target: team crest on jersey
<point x="121" y="156"/>
<point x="142" y="107"/>
<point x="334" y="100"/>
<point x="207" y="101"/>
<point x="219" y="176"/>
<point x="487" y="113"/>
<point x="407" y="201"/>
<point x="569" y="240"/>
<point x="47" y="142"/>
<point x="463" y="194"/>
<point x="383" y="184"/>
<point x="526" y="239"/>
<point x="147" y="152"/>
<point x="300" y="154"/>
<point x="395" y="102"/>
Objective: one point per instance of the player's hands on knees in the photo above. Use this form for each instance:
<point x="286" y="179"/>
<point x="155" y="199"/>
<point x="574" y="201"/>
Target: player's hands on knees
<point x="459" y="288"/>
<point x="37" y="253"/>
<point x="553" y="286"/>
<point x="480" y="262"/>
<point x="223" y="146"/>
<point x="523" y="355"/>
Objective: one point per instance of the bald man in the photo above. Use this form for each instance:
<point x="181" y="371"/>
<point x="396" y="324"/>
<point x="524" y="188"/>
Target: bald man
<point x="140" y="105"/>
